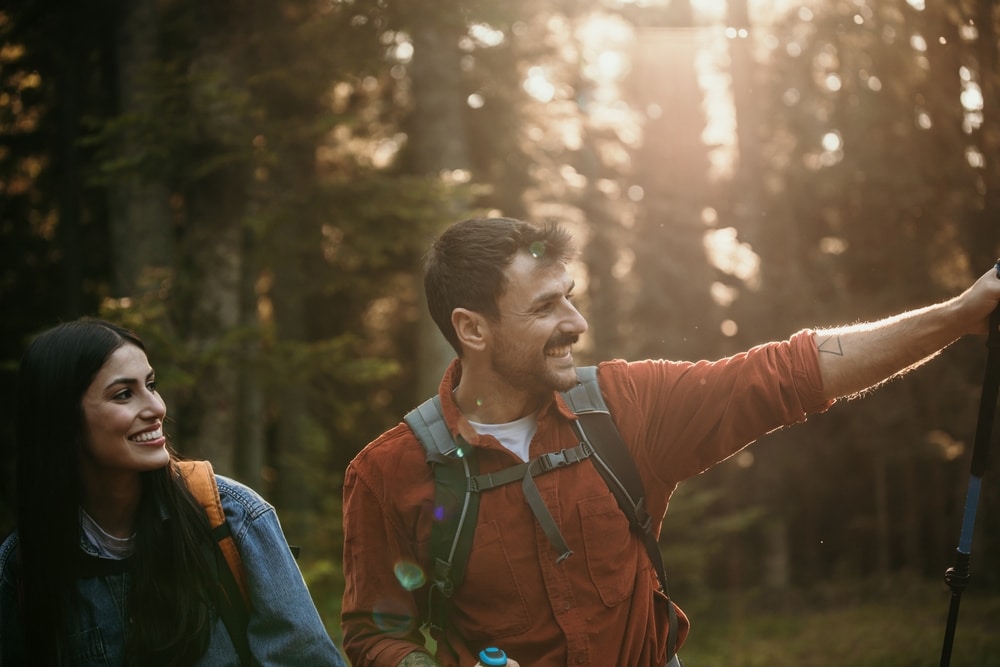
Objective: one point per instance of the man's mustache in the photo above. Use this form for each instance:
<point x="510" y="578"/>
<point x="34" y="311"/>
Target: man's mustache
<point x="560" y="340"/>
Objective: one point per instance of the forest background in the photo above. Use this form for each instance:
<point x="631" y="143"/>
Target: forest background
<point x="252" y="185"/>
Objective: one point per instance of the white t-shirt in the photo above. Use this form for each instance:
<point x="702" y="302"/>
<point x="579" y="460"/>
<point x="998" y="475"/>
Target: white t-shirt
<point x="515" y="436"/>
<point x="108" y="546"/>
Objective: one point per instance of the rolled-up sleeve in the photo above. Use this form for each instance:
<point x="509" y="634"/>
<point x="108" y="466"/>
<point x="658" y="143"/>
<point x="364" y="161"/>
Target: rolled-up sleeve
<point x="385" y="551"/>
<point x="683" y="417"/>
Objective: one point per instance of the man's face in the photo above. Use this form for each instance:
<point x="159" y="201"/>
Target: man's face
<point x="532" y="342"/>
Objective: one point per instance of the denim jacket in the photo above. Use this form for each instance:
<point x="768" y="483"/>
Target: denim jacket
<point x="284" y="627"/>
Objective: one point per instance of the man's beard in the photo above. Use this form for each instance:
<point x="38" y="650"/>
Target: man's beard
<point x="527" y="372"/>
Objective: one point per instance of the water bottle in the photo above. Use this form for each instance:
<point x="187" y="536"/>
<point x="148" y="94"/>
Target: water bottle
<point x="492" y="657"/>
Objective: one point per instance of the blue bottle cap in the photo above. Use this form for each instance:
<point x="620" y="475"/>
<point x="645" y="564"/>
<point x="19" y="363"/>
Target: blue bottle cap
<point x="493" y="657"/>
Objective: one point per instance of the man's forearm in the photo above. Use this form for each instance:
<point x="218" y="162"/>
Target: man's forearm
<point x="862" y="356"/>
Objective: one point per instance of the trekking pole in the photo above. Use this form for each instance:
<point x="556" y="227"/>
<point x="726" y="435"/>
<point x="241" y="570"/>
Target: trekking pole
<point x="957" y="576"/>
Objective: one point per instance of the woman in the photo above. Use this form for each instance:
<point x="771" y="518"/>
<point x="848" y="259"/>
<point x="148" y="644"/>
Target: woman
<point x="106" y="566"/>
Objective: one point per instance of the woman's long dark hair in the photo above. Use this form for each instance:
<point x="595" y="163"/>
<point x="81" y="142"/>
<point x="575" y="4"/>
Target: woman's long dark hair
<point x="168" y="599"/>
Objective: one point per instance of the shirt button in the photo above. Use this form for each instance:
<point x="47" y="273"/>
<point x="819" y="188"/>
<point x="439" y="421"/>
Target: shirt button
<point x="579" y="659"/>
<point x="566" y="606"/>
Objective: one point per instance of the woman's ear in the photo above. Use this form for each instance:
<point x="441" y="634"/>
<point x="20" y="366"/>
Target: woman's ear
<point x="470" y="327"/>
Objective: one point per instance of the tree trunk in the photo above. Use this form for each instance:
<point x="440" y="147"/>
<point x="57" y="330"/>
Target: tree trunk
<point x="215" y="246"/>
<point x="438" y="144"/>
<point x="669" y="235"/>
<point x="70" y="83"/>
<point x="141" y="238"/>
<point x="216" y="252"/>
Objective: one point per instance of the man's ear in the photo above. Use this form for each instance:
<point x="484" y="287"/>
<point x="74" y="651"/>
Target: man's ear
<point x="470" y="327"/>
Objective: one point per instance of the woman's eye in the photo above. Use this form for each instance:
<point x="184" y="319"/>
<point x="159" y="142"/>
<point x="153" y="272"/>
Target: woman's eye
<point x="151" y="386"/>
<point x="123" y="395"/>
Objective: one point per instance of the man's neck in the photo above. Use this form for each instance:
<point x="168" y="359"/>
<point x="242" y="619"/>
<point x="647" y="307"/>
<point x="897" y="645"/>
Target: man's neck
<point x="494" y="402"/>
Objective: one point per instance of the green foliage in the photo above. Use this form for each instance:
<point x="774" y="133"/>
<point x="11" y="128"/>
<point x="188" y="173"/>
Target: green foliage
<point x="890" y="623"/>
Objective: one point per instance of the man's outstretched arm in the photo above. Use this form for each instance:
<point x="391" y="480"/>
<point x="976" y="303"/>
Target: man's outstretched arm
<point x="861" y="356"/>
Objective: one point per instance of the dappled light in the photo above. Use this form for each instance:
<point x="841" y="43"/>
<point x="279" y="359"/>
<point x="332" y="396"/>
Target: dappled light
<point x="257" y="193"/>
<point x="728" y="254"/>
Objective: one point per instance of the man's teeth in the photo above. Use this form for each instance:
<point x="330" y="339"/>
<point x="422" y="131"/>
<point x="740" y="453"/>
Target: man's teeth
<point x="150" y="435"/>
<point x="559" y="351"/>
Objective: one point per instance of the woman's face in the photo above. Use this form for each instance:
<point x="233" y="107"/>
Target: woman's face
<point x="123" y="418"/>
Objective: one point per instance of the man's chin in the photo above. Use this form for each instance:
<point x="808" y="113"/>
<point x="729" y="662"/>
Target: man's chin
<point x="564" y="379"/>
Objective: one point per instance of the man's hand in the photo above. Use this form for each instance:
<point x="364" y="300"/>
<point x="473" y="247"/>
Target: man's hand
<point x="980" y="300"/>
<point x="418" y="659"/>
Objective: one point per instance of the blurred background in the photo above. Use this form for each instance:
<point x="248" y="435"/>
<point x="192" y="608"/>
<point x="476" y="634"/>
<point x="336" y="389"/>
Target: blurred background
<point x="251" y="185"/>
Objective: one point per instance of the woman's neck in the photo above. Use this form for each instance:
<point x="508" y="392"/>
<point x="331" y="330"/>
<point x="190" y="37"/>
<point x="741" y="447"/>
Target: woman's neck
<point x="114" y="505"/>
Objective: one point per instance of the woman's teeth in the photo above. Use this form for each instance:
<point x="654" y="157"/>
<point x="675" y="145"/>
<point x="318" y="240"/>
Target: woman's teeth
<point x="147" y="436"/>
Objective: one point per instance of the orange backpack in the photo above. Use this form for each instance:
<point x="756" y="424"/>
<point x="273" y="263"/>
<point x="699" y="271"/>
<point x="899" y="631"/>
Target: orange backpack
<point x="232" y="598"/>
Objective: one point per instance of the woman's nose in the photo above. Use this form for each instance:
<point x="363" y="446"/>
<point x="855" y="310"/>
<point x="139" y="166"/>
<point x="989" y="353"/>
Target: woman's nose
<point x="155" y="405"/>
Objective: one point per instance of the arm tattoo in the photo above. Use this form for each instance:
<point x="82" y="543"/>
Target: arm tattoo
<point x="831" y="345"/>
<point x="418" y="659"/>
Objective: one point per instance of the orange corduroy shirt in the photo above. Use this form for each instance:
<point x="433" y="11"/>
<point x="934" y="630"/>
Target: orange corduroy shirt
<point x="600" y="606"/>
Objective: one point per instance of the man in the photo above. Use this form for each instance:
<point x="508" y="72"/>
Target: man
<point x="500" y="292"/>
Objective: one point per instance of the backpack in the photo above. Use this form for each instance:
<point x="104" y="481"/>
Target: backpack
<point x="232" y="599"/>
<point x="458" y="485"/>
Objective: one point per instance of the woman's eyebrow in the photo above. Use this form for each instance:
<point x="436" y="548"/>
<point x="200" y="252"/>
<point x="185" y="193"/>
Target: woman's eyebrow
<point x="121" y="380"/>
<point x="130" y="381"/>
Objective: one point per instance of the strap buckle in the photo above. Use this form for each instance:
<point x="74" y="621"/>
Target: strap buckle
<point x="553" y="460"/>
<point x="564" y="457"/>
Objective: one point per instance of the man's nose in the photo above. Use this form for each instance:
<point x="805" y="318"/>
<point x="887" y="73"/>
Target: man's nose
<point x="577" y="322"/>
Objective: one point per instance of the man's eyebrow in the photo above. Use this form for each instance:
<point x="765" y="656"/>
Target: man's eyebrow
<point x="554" y="294"/>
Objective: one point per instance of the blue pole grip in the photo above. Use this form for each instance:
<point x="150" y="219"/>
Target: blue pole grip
<point x="969" y="518"/>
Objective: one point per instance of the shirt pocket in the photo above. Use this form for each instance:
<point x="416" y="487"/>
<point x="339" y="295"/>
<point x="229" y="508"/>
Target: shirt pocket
<point x="610" y="548"/>
<point x="87" y="648"/>
<point x="489" y="605"/>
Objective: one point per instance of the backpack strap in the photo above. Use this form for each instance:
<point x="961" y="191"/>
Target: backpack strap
<point x="232" y="598"/>
<point x="543" y="464"/>
<point x="457" y="488"/>
<point x="453" y="464"/>
<point x="458" y="484"/>
<point x="615" y="464"/>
